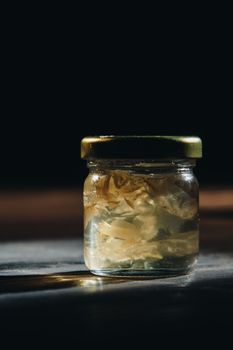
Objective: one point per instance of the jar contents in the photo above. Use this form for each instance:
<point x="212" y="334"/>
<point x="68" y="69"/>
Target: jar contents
<point x="140" y="221"/>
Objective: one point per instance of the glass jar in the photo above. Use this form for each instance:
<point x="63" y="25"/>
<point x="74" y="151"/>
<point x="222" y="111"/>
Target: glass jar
<point x="141" y="205"/>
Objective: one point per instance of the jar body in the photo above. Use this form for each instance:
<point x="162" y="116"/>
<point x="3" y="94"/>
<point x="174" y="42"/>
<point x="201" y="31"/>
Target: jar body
<point x="141" y="217"/>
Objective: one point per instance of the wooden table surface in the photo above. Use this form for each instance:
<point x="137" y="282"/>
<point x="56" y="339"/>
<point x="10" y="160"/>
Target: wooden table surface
<point x="46" y="291"/>
<point x="45" y="287"/>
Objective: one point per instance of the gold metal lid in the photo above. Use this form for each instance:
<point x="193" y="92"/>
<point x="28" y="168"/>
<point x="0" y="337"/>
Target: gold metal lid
<point x="141" y="147"/>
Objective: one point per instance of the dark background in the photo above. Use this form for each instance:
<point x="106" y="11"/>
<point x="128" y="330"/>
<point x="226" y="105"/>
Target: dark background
<point x="63" y="80"/>
<point x="67" y="73"/>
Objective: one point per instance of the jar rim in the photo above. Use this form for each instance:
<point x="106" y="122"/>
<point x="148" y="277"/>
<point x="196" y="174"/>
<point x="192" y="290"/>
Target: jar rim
<point x="141" y="147"/>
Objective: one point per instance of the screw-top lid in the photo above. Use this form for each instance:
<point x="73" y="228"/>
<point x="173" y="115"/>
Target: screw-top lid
<point x="141" y="147"/>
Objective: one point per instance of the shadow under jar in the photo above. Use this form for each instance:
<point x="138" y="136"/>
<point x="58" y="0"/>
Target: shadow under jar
<point x="141" y="205"/>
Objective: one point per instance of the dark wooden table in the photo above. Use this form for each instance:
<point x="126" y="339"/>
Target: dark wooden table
<point x="45" y="290"/>
<point x="46" y="293"/>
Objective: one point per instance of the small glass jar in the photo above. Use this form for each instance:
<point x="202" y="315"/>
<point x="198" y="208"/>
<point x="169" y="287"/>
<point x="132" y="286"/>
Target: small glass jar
<point x="141" y="205"/>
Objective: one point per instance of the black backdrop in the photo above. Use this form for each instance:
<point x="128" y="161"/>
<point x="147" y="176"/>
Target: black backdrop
<point x="74" y="73"/>
<point x="60" y="84"/>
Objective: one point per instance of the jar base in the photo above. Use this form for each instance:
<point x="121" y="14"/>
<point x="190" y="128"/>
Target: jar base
<point x="156" y="273"/>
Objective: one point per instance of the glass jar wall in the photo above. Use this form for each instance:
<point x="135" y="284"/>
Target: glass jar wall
<point x="141" y="217"/>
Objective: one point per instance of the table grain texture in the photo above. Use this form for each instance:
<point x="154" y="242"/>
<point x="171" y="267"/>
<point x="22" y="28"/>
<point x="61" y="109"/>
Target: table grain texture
<point x="46" y="291"/>
<point x="45" y="288"/>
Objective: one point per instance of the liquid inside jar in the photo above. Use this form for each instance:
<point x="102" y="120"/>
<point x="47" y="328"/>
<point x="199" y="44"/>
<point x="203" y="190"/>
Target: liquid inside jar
<point x="140" y="222"/>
